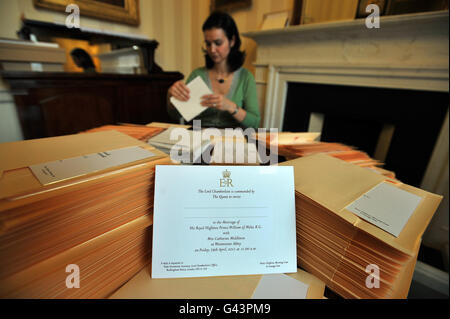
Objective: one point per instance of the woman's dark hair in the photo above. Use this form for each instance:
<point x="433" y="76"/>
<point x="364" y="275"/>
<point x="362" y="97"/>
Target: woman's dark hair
<point x="224" y="21"/>
<point x="82" y="59"/>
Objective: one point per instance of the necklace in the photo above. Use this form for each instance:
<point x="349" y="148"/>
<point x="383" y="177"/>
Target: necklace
<point x="222" y="80"/>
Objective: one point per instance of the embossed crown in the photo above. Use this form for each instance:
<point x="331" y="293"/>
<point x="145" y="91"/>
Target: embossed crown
<point x="226" y="174"/>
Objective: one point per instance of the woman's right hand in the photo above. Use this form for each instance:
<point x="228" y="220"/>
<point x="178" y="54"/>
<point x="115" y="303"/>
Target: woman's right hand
<point x="180" y="91"/>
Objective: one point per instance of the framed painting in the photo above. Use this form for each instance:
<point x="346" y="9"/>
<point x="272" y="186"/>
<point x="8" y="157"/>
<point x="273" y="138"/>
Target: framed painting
<point x="122" y="11"/>
<point x="229" y="5"/>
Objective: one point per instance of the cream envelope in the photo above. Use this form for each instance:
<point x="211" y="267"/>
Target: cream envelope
<point x="38" y="222"/>
<point x="191" y="108"/>
<point x="142" y="286"/>
<point x="335" y="184"/>
<point x="106" y="262"/>
<point x="16" y="178"/>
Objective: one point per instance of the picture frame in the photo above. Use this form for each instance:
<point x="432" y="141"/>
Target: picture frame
<point x="297" y="13"/>
<point x="121" y="11"/>
<point x="229" y="5"/>
<point x="275" y="20"/>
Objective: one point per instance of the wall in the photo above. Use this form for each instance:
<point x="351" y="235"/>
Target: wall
<point x="9" y="123"/>
<point x="167" y="21"/>
<point x="176" y="24"/>
<point x="249" y="19"/>
<point x="316" y="11"/>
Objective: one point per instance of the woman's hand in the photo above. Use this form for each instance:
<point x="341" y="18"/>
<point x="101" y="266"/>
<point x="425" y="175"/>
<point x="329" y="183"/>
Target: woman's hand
<point x="218" y="101"/>
<point x="180" y="91"/>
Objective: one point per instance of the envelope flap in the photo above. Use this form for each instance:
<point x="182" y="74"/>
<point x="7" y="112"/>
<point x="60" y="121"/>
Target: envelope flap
<point x="19" y="155"/>
<point x="331" y="182"/>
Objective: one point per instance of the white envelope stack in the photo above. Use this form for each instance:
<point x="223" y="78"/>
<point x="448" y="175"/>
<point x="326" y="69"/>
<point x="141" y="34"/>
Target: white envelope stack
<point x="355" y="258"/>
<point x="186" y="147"/>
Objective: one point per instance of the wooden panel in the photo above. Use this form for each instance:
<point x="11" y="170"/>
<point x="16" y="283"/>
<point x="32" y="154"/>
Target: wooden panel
<point x="72" y="111"/>
<point x="67" y="103"/>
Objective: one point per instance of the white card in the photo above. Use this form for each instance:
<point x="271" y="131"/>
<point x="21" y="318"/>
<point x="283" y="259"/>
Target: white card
<point x="223" y="220"/>
<point x="191" y="108"/>
<point x="386" y="206"/>
<point x="280" y="286"/>
<point x="51" y="172"/>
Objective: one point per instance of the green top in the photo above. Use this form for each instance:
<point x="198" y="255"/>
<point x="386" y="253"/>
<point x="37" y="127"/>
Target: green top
<point x="242" y="92"/>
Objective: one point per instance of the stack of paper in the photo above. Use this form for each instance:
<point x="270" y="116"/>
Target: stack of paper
<point x="183" y="145"/>
<point x="166" y="125"/>
<point x="231" y="148"/>
<point x="294" y="145"/>
<point x="212" y="146"/>
<point x="287" y="138"/>
<point x="357" y="231"/>
<point x="105" y="263"/>
<point x="63" y="194"/>
<point x="140" y="132"/>
<point x="341" y="151"/>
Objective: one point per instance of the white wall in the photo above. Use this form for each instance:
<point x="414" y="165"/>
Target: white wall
<point x="9" y="124"/>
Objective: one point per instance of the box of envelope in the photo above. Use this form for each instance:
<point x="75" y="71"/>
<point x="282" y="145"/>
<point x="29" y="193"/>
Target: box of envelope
<point x="357" y="230"/>
<point x="52" y="208"/>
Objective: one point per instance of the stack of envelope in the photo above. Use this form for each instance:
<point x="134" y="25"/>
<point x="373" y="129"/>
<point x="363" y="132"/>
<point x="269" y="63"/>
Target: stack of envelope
<point x="232" y="148"/>
<point x="96" y="219"/>
<point x="140" y="132"/>
<point x="341" y="240"/>
<point x="286" y="138"/>
<point x="167" y="125"/>
<point x="341" y="151"/>
<point x="294" y="145"/>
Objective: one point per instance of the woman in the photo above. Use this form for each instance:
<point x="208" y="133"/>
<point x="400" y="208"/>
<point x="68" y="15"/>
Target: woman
<point x="83" y="60"/>
<point x="234" y="100"/>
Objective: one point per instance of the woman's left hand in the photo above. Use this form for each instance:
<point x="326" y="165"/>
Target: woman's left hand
<point x="217" y="101"/>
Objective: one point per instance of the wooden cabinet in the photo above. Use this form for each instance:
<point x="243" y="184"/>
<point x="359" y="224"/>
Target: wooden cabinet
<point x="52" y="104"/>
